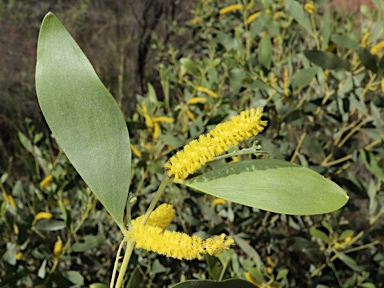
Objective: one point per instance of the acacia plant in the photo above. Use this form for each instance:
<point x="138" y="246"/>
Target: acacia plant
<point x="88" y="125"/>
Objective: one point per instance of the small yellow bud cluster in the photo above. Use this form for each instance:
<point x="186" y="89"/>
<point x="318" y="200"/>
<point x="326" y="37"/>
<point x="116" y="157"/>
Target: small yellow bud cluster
<point x="377" y="48"/>
<point x="309" y="7"/>
<point x="198" y="152"/>
<point x="153" y="237"/>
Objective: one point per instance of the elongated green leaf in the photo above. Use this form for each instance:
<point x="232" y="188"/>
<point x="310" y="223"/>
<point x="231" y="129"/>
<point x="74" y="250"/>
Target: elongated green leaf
<point x="299" y="14"/>
<point x="367" y="59"/>
<point x="345" y="41"/>
<point x="326" y="60"/>
<point x="272" y="185"/>
<point x="264" y="52"/>
<point x="303" y="78"/>
<point x="83" y="116"/>
<point x="231" y="283"/>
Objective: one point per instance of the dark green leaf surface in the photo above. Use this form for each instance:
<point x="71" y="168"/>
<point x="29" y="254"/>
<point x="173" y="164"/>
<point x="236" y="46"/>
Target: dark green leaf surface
<point x="265" y="52"/>
<point x="83" y="116"/>
<point x="326" y="60"/>
<point x="238" y="283"/>
<point x="345" y="41"/>
<point x="272" y="185"/>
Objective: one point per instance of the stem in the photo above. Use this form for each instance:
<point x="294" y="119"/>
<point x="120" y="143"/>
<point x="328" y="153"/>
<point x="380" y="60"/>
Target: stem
<point x="240" y="152"/>
<point x="124" y="265"/>
<point x="158" y="194"/>
<point x="116" y="263"/>
<point x="298" y="146"/>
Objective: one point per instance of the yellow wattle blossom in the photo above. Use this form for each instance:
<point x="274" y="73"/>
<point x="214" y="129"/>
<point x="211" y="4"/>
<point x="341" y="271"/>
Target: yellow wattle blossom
<point x="43" y="215"/>
<point x="309" y="7"/>
<point x="253" y="16"/>
<point x="249" y="278"/>
<point x="231" y="8"/>
<point x="198" y="152"/>
<point x="286" y="82"/>
<point x="16" y="229"/>
<point x="9" y="199"/>
<point x="19" y="255"/>
<point x="218" y="201"/>
<point x="177" y="245"/>
<point x="135" y="150"/>
<point x="382" y="85"/>
<point x="58" y="248"/>
<point x="161" y="217"/>
<point x="47" y="181"/>
<point x="207" y="91"/>
<point x="364" y="39"/>
<point x="377" y="48"/>
<point x="196" y="100"/>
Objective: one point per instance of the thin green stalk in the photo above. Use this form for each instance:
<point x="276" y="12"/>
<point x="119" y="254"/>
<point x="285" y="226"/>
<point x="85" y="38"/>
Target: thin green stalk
<point x="116" y="263"/>
<point x="124" y="265"/>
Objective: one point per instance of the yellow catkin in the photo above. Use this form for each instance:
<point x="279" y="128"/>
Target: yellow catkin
<point x="231" y="8"/>
<point x="43" y="215"/>
<point x="218" y="201"/>
<point x="163" y="119"/>
<point x="207" y="91"/>
<point x="135" y="150"/>
<point x="198" y="152"/>
<point x="161" y="217"/>
<point x="47" y="181"/>
<point x="19" y="256"/>
<point x="251" y="279"/>
<point x="58" y="248"/>
<point x="286" y="82"/>
<point x="9" y="199"/>
<point x="309" y="7"/>
<point x="364" y="40"/>
<point x="156" y="130"/>
<point x="253" y="17"/>
<point x="177" y="245"/>
<point x="16" y="229"/>
<point x="382" y="85"/>
<point x="196" y="100"/>
<point x="377" y="48"/>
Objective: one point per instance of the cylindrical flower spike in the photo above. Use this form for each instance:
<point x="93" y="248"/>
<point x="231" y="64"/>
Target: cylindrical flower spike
<point x="177" y="245"/>
<point x="161" y="217"/>
<point x="198" y="152"/>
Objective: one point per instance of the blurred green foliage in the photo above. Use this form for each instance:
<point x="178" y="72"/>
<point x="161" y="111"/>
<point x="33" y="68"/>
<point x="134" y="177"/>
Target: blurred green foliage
<point x="319" y="77"/>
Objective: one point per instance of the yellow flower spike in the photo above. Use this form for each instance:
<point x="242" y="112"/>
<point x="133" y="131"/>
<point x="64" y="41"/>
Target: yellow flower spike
<point x="177" y="245"/>
<point x="135" y="150"/>
<point x="218" y="201"/>
<point x="253" y="17"/>
<point x="196" y="100"/>
<point x="217" y="244"/>
<point x="191" y="115"/>
<point x="382" y="85"/>
<point x="9" y="199"/>
<point x="47" y="181"/>
<point x="163" y="119"/>
<point x="198" y="152"/>
<point x="156" y="130"/>
<point x="207" y="91"/>
<point x="16" y="229"/>
<point x="43" y="215"/>
<point x="252" y="280"/>
<point x="58" y="248"/>
<point x="364" y="40"/>
<point x="377" y="48"/>
<point x="19" y="256"/>
<point x="161" y="217"/>
<point x="309" y="7"/>
<point x="231" y="8"/>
